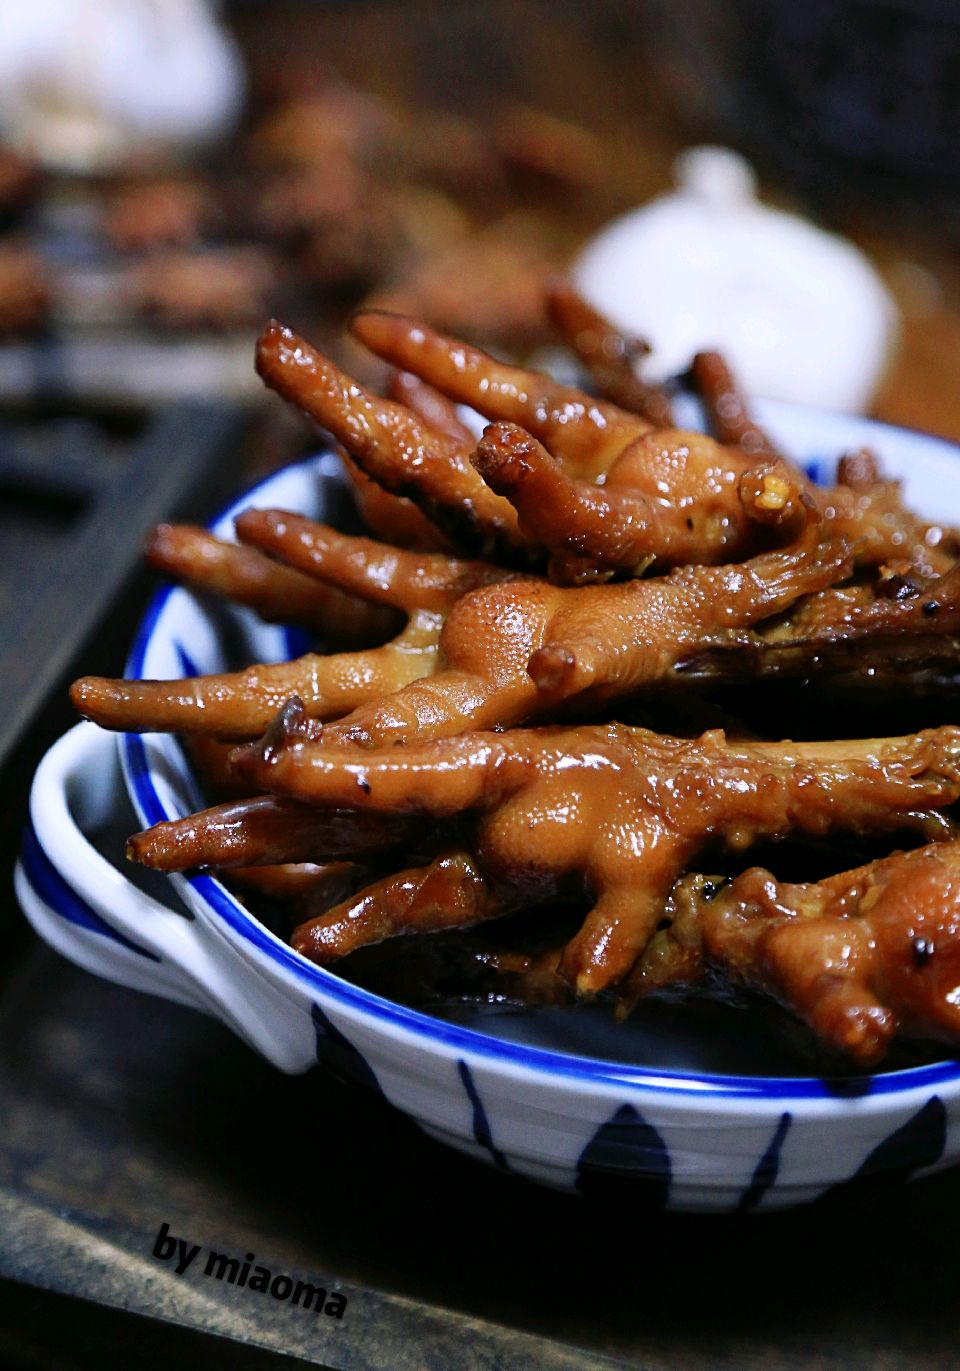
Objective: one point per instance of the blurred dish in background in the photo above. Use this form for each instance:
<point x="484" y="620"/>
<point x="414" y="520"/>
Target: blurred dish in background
<point x="327" y="196"/>
<point x="801" y="313"/>
<point x="24" y="291"/>
<point x="409" y="167"/>
<point x="92" y="87"/>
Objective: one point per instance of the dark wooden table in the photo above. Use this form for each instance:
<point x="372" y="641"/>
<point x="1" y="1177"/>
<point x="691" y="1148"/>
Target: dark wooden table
<point x="119" y="1113"/>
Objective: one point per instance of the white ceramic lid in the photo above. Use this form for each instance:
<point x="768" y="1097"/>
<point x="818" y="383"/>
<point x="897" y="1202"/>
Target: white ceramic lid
<point x="799" y="313"/>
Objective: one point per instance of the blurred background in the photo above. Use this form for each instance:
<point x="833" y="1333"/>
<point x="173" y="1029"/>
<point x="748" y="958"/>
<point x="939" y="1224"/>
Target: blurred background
<point x="173" y="173"/>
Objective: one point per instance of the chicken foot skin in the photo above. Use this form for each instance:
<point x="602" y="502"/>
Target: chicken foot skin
<point x="609" y="355"/>
<point x="269" y="830"/>
<point x="391" y="518"/>
<point x="394" y="518"/>
<point x="297" y="881"/>
<point x="393" y="446"/>
<point x="622" y="809"/>
<point x="850" y="628"/>
<point x="307" y="889"/>
<point x="241" y="704"/>
<point x="375" y="571"/>
<point x="278" y="594"/>
<point x="862" y="505"/>
<point x="449" y="893"/>
<point x="467" y="659"/>
<point x="862" y="957"/>
<point x="626" y="526"/>
<point x="585" y="434"/>
<point x="727" y="410"/>
<point x="682" y="475"/>
<point x="663" y="481"/>
<point x="674" y="497"/>
<point x="513" y="651"/>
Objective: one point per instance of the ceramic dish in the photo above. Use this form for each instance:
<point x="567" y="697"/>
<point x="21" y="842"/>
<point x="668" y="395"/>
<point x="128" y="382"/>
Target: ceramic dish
<point x="562" y="1097"/>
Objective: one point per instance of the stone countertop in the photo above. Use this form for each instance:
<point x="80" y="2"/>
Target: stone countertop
<point x="119" y="1113"/>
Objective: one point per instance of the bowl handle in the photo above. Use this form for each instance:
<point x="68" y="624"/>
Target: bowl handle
<point x="89" y="910"/>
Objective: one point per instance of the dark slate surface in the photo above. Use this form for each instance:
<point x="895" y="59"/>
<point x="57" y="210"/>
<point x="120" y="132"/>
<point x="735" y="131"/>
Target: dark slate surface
<point x="119" y="1113"/>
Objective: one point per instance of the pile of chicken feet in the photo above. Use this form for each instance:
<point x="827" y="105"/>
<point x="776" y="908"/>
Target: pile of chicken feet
<point x="461" y="756"/>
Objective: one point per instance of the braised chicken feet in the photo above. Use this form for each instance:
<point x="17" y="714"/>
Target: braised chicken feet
<point x="622" y="810"/>
<point x="862" y="956"/>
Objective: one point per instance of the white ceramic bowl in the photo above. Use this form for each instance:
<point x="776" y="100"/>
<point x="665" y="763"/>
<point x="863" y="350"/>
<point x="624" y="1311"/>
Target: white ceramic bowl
<point x="563" y="1097"/>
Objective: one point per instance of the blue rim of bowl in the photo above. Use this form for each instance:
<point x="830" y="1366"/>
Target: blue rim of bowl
<point x="558" y="1064"/>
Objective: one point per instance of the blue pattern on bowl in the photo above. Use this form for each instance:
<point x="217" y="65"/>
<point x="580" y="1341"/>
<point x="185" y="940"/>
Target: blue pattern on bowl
<point x="626" y="1147"/>
<point x="768" y="1166"/>
<point x="481" y="1124"/>
<point x="915" y="1145"/>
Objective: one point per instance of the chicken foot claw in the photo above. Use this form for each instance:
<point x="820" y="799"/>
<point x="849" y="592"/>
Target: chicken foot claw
<point x="267" y="830"/>
<point x="862" y="957"/>
<point x="449" y="893"/>
<point x="391" y="444"/>
<point x="621" y="810"/>
<point x="278" y="594"/>
<point x="609" y="355"/>
<point x="511" y="651"/>
<point x="241" y="704"/>
<point x="584" y="434"/>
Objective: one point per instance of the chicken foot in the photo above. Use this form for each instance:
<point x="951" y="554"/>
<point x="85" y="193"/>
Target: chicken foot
<point x="624" y="810"/>
<point x="862" y="957"/>
<point x="278" y="594"/>
<point x="681" y="475"/>
<point x="609" y="355"/>
<point x="393" y="446"/>
<point x="512" y="651"/>
<point x="241" y="704"/>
